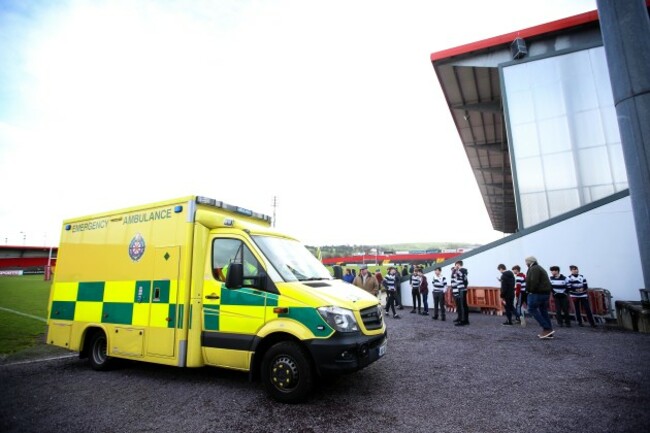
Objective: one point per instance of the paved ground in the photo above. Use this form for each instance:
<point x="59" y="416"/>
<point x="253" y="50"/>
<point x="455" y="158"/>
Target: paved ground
<point x="435" y="378"/>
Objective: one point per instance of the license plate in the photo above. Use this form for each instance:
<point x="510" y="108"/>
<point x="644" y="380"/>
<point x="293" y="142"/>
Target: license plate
<point x="382" y="349"/>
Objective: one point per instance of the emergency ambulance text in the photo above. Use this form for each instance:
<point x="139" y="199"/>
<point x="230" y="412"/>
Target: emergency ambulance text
<point x="145" y="217"/>
<point x="92" y="225"/>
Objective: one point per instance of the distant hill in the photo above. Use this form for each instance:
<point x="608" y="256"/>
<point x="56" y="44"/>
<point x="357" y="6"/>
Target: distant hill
<point x="427" y="246"/>
<point x="348" y="250"/>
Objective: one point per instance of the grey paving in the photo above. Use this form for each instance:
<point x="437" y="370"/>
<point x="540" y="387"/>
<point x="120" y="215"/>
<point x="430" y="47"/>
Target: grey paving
<point x="435" y="378"/>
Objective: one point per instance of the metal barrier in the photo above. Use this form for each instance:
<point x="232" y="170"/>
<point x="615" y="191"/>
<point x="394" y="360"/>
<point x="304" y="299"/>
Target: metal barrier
<point x="485" y="299"/>
<point x="488" y="301"/>
<point x="450" y="302"/>
<point x="600" y="302"/>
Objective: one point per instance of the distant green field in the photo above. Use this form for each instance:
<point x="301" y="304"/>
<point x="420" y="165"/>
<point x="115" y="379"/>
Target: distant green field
<point x="28" y="295"/>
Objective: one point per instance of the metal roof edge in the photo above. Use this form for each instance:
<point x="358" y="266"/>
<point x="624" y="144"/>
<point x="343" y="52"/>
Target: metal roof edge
<point x="553" y="26"/>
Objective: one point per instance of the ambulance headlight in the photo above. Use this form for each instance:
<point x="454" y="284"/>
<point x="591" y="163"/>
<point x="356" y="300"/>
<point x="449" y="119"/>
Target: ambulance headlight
<point x="340" y="319"/>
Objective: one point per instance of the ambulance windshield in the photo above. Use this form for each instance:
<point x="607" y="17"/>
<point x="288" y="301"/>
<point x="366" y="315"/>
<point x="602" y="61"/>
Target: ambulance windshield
<point x="291" y="259"/>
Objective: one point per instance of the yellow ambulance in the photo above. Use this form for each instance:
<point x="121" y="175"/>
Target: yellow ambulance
<point x="196" y="282"/>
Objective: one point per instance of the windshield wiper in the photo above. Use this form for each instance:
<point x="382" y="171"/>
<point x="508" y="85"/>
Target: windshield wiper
<point x="296" y="273"/>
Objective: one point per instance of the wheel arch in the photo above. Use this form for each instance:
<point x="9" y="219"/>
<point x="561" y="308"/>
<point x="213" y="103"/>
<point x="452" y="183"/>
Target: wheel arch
<point x="269" y="341"/>
<point x="87" y="337"/>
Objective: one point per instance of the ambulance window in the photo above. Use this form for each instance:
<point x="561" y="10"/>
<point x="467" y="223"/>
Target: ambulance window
<point x="251" y="265"/>
<point x="226" y="251"/>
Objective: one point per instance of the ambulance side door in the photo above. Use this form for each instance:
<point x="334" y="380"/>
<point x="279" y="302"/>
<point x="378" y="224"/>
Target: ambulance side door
<point x="231" y="317"/>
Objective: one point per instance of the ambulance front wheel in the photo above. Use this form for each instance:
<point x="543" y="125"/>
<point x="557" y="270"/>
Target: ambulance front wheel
<point x="99" y="360"/>
<point x="287" y="372"/>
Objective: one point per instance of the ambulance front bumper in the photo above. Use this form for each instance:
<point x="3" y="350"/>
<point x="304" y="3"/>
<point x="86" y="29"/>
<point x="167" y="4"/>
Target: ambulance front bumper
<point x="347" y="353"/>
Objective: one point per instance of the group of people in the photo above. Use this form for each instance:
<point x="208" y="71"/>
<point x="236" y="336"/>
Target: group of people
<point x="373" y="284"/>
<point x="539" y="287"/>
<point x="519" y="291"/>
<point x="458" y="284"/>
<point x="391" y="283"/>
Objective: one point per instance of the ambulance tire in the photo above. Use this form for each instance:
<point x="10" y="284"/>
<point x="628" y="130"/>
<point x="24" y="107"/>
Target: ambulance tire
<point x="287" y="372"/>
<point x="99" y="360"/>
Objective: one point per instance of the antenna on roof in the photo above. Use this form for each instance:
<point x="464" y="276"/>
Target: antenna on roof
<point x="275" y="205"/>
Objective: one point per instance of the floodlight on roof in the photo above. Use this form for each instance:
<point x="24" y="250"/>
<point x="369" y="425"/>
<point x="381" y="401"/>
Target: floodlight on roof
<point x="518" y="48"/>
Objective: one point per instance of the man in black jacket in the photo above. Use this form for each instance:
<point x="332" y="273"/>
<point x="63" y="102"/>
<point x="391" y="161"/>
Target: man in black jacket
<point x="507" y="291"/>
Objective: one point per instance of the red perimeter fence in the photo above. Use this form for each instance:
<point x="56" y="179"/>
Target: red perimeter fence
<point x="488" y="301"/>
<point x="415" y="258"/>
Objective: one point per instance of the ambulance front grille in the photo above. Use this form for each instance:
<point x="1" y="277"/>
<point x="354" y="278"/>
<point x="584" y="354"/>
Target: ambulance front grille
<point x="372" y="318"/>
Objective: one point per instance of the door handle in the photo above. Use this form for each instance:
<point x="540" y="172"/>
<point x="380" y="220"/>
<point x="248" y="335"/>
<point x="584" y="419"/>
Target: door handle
<point x="212" y="296"/>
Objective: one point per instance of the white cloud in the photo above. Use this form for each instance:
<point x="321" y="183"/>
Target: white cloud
<point x="333" y="107"/>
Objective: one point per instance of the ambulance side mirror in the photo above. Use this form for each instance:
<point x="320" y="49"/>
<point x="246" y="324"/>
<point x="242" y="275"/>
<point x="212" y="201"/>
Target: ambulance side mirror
<point x="235" y="277"/>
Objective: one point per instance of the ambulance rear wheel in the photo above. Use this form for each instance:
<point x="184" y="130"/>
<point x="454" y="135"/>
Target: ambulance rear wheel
<point x="287" y="372"/>
<point x="99" y="360"/>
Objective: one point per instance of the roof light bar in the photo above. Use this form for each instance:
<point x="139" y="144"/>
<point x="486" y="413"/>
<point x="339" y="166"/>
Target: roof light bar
<point x="236" y="209"/>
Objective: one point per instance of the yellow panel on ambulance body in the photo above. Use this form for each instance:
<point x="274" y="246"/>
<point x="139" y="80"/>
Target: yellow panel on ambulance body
<point x="126" y="271"/>
<point x="116" y="246"/>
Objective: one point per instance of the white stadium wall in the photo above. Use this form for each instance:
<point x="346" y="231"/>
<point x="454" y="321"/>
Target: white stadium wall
<point x="602" y="242"/>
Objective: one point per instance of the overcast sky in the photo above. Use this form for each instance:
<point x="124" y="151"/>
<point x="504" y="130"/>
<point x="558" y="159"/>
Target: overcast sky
<point x="332" y="106"/>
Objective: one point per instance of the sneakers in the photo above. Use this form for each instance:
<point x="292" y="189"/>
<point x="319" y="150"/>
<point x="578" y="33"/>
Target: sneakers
<point x="443" y="319"/>
<point x="395" y="316"/>
<point x="412" y="311"/>
<point x="506" y="323"/>
<point x="547" y="334"/>
<point x="425" y="313"/>
<point x="434" y="317"/>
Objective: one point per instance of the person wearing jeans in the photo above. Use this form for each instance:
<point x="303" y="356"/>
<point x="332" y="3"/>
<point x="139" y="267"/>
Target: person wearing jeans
<point x="520" y="295"/>
<point x="539" y="291"/>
